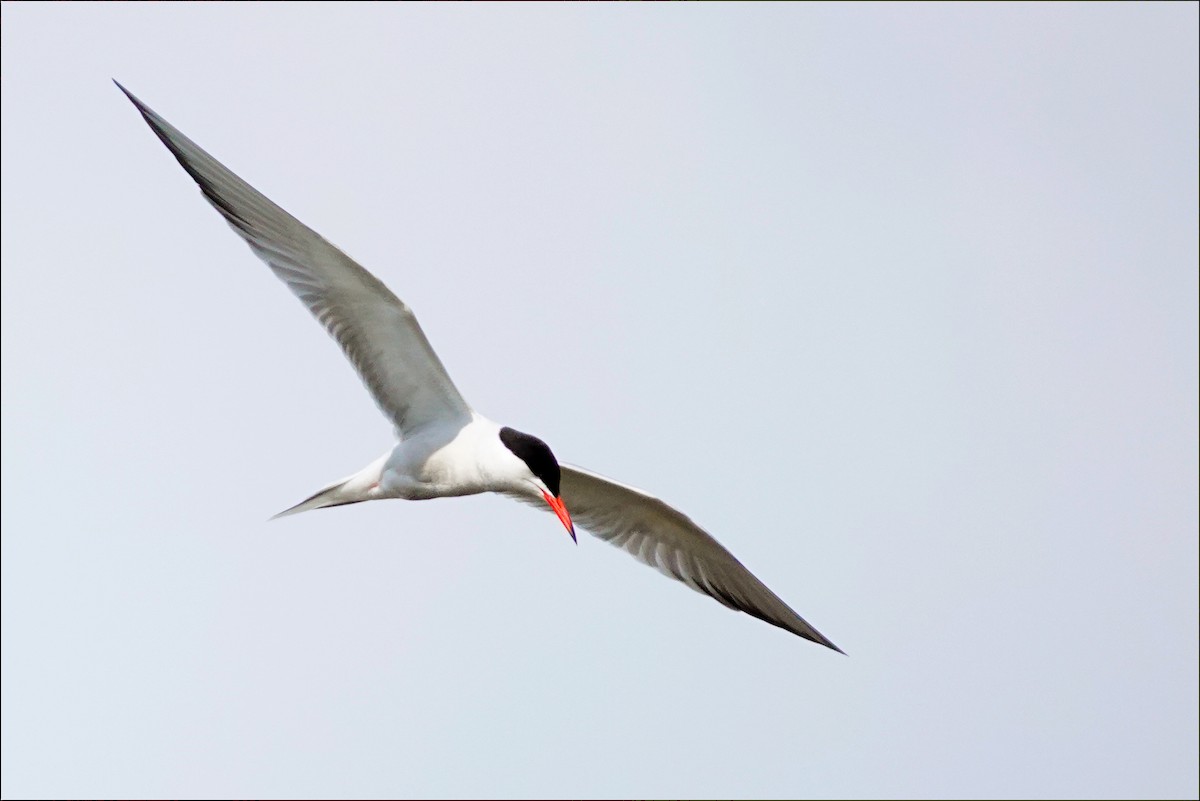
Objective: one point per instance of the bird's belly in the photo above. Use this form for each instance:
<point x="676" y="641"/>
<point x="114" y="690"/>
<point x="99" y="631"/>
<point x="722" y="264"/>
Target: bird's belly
<point x="408" y="488"/>
<point x="418" y="476"/>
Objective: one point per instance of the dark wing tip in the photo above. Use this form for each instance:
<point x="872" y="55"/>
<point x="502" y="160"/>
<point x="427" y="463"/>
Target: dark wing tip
<point x="830" y="645"/>
<point x="133" y="98"/>
<point x="813" y="635"/>
<point x="807" y="632"/>
<point x="169" y="136"/>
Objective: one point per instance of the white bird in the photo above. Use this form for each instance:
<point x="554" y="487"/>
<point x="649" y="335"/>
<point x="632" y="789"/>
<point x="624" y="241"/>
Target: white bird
<point x="444" y="447"/>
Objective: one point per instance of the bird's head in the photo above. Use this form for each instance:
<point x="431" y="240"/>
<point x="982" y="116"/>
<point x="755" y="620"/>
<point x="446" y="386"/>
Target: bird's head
<point x="539" y="473"/>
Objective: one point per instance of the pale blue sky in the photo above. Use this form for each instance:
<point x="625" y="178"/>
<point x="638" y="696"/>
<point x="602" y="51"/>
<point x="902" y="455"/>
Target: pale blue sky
<point x="898" y="301"/>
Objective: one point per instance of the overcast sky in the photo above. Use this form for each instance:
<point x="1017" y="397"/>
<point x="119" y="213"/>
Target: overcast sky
<point x="899" y="302"/>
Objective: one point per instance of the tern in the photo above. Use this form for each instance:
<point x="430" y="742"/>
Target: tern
<point x="444" y="447"/>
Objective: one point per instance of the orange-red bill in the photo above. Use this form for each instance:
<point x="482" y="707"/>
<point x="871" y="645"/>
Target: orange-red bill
<point x="560" y="509"/>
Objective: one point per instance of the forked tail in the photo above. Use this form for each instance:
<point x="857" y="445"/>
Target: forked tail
<point x="362" y="486"/>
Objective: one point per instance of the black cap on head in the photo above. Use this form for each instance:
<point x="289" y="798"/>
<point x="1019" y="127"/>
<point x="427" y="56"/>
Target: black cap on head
<point x="536" y="454"/>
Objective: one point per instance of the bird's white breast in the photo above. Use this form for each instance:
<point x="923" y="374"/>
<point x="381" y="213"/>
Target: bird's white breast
<point x="444" y="462"/>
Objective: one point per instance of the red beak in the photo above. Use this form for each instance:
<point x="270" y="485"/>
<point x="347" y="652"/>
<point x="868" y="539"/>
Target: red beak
<point x="560" y="509"/>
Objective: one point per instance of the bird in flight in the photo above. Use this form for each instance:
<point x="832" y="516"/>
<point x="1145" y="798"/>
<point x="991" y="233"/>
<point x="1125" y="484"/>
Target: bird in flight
<point x="444" y="447"/>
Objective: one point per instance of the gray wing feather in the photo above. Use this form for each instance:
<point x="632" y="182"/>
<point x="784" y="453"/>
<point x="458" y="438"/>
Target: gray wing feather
<point x="668" y="540"/>
<point x="376" y="330"/>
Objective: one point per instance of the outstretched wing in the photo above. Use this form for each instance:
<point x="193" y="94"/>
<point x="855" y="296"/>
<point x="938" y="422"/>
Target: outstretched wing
<point x="376" y="330"/>
<point x="668" y="540"/>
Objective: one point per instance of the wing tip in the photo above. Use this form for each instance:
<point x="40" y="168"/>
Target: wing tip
<point x="809" y="633"/>
<point x="813" y="635"/>
<point x="798" y="626"/>
<point x="833" y="647"/>
<point x="132" y="97"/>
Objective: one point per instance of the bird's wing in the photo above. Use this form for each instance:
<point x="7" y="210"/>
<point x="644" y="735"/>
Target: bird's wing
<point x="667" y="539"/>
<point x="376" y="330"/>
